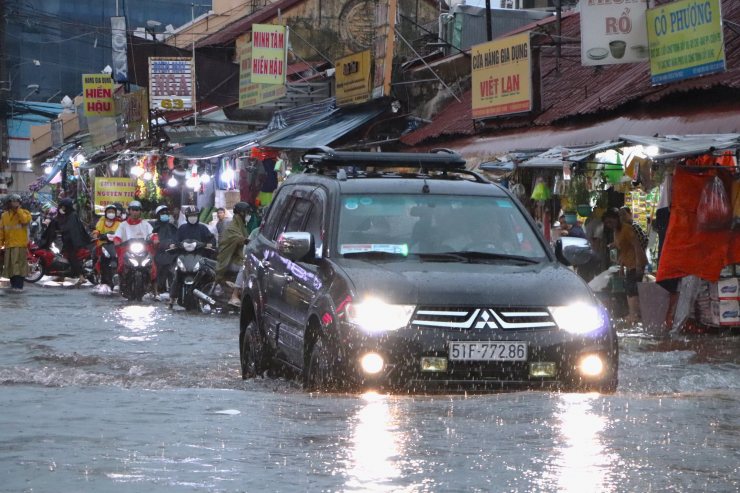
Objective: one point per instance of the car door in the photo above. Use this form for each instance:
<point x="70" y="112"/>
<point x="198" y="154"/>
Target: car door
<point x="282" y="272"/>
<point x="302" y="283"/>
<point x="267" y="261"/>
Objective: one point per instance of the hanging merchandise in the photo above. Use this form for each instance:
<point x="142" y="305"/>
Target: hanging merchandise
<point x="518" y="190"/>
<point x="614" y="172"/>
<point x="736" y="201"/>
<point x="541" y="192"/>
<point x="713" y="211"/>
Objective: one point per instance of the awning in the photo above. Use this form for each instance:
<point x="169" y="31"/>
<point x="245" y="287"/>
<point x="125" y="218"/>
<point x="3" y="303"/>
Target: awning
<point x="59" y="162"/>
<point x="559" y="156"/>
<point x="218" y="147"/>
<point x="676" y="146"/>
<point x="322" y="130"/>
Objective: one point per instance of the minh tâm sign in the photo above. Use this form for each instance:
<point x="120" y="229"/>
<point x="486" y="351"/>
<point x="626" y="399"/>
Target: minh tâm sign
<point x="502" y="76"/>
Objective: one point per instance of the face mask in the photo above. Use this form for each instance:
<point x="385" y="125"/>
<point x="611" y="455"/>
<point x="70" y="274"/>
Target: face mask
<point x="111" y="215"/>
<point x="193" y="219"/>
<point x="164" y="217"/>
<point x="62" y="211"/>
<point x="124" y="216"/>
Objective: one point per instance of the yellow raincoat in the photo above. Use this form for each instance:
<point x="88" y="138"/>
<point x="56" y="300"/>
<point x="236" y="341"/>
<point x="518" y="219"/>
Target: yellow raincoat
<point x="14" y="228"/>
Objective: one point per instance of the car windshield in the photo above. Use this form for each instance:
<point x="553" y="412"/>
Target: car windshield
<point x="439" y="226"/>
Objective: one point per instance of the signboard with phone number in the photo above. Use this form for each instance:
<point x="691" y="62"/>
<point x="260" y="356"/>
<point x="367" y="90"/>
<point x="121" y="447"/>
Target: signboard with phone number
<point x="171" y="85"/>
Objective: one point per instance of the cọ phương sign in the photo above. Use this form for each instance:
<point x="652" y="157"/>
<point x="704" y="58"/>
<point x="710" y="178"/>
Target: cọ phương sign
<point x="685" y="40"/>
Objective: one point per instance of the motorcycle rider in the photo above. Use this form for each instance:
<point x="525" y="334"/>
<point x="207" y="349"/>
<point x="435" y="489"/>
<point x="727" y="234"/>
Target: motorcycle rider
<point x="106" y="224"/>
<point x="230" y="257"/>
<point x="191" y="230"/>
<point x="74" y="236"/>
<point x="167" y="234"/>
<point x="135" y="228"/>
<point x="14" y="237"/>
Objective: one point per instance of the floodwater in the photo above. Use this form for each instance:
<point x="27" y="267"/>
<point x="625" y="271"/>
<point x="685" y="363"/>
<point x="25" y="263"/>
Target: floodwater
<point x="99" y="395"/>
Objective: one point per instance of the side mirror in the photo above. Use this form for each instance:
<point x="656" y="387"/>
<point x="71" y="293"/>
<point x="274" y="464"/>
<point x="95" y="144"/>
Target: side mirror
<point x="295" y="246"/>
<point x="573" y="251"/>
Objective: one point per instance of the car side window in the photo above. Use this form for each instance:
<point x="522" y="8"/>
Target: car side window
<point x="276" y="212"/>
<point x="297" y="216"/>
<point x="315" y="224"/>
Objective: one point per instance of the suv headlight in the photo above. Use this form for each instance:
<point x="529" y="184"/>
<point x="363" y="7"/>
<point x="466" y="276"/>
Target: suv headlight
<point x="579" y="318"/>
<point x="375" y="316"/>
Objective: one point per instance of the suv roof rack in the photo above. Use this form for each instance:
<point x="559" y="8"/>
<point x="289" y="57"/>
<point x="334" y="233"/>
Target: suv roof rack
<point x="436" y="159"/>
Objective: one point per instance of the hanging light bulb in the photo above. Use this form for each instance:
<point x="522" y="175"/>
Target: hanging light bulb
<point x="227" y="175"/>
<point x="114" y="166"/>
<point x="147" y="176"/>
<point x="205" y="178"/>
<point x="47" y="169"/>
<point x="137" y="171"/>
<point x="172" y="182"/>
<point x="193" y="182"/>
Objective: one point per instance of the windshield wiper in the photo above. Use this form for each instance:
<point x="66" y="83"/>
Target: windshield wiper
<point x="471" y="256"/>
<point x="374" y="253"/>
<point x="442" y="257"/>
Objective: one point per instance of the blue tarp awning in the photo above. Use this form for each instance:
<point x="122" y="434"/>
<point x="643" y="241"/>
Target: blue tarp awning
<point x="218" y="147"/>
<point x="321" y="130"/>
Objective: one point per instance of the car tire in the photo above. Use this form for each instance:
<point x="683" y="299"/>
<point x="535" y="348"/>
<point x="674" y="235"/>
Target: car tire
<point x="254" y="351"/>
<point x="322" y="372"/>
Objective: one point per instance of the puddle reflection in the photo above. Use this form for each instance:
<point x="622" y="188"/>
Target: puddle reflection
<point x="375" y="447"/>
<point x="139" y="320"/>
<point x="582" y="463"/>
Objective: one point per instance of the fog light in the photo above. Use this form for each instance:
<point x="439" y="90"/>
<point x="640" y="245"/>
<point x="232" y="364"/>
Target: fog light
<point x="592" y="365"/>
<point x="433" y="364"/>
<point x="541" y="369"/>
<point x="372" y="363"/>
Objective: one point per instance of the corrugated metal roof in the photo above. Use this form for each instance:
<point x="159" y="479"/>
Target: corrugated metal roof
<point x="559" y="156"/>
<point x="217" y="147"/>
<point x="469" y="28"/>
<point x="321" y="131"/>
<point x="579" y="90"/>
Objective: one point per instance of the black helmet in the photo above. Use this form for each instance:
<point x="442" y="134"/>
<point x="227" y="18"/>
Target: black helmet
<point x="190" y="210"/>
<point x="118" y="206"/>
<point x="242" y="208"/>
<point x="67" y="202"/>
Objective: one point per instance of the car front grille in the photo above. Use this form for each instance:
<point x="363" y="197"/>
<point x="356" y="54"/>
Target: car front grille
<point x="456" y="318"/>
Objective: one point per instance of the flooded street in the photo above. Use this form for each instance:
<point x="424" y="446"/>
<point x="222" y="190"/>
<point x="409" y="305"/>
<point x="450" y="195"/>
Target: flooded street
<point x="100" y="395"/>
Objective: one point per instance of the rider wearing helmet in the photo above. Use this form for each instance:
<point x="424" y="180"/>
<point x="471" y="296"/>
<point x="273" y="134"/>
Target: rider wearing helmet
<point x="135" y="228"/>
<point x="106" y="224"/>
<point x="193" y="229"/>
<point x="167" y="234"/>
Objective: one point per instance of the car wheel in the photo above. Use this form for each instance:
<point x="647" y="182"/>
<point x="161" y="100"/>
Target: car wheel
<point x="322" y="370"/>
<point x="255" y="353"/>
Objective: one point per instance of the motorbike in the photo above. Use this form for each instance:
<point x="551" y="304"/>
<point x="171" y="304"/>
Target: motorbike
<point x="108" y="261"/>
<point x="35" y="269"/>
<point x="192" y="256"/>
<point x="137" y="269"/>
<point x="52" y="262"/>
<point x="35" y="229"/>
<point x="212" y="297"/>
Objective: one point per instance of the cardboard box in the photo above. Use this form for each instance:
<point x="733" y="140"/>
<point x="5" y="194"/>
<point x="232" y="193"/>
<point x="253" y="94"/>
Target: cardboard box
<point x="725" y="289"/>
<point x="727" y="271"/>
<point x="723" y="313"/>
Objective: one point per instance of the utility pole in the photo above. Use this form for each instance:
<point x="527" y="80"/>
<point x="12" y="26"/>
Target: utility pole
<point x="489" y="29"/>
<point x="4" y="76"/>
<point x="558" y="18"/>
<point x="192" y="30"/>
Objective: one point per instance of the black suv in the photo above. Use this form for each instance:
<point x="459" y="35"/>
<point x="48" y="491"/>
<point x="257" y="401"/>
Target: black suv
<point x="419" y="276"/>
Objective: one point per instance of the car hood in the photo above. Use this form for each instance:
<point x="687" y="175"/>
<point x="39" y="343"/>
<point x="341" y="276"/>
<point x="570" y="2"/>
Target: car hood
<point x="463" y="284"/>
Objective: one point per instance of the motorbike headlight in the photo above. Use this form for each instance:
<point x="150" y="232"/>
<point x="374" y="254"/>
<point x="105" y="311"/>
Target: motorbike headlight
<point x="579" y="318"/>
<point x="188" y="247"/>
<point x="54" y="249"/>
<point x="374" y="316"/>
<point x="133" y="261"/>
<point x="106" y="252"/>
<point x="146" y="262"/>
<point x="137" y="247"/>
<point x="196" y="267"/>
<point x="180" y="264"/>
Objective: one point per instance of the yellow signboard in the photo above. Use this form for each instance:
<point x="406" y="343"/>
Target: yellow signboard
<point x="352" y="78"/>
<point x="251" y="94"/>
<point x="685" y="40"/>
<point x="269" y="62"/>
<point x="110" y="190"/>
<point x="502" y="77"/>
<point x="98" y="91"/>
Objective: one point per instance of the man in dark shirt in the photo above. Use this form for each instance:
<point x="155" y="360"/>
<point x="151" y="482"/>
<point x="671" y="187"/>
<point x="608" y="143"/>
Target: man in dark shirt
<point x="193" y="229"/>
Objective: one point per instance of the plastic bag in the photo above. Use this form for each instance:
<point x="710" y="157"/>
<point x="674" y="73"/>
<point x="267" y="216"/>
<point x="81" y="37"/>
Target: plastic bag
<point x="714" y="210"/>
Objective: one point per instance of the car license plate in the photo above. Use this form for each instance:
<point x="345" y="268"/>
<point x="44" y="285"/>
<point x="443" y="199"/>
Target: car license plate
<point x="487" y="351"/>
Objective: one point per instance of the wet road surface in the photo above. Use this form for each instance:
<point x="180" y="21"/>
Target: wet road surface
<point x="100" y="395"/>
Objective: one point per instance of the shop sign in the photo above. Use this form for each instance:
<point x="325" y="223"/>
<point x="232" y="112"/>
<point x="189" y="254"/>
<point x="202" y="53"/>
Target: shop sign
<point x="134" y="111"/>
<point x="613" y="33"/>
<point x="98" y="91"/>
<point x="685" y="40"/>
<point x="171" y="85"/>
<point x="269" y="54"/>
<point x="251" y="94"/>
<point x="502" y="77"/>
<point x="110" y="190"/>
<point x="352" y="79"/>
<point x="120" y="61"/>
<point x="383" y="46"/>
<point x="105" y="130"/>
